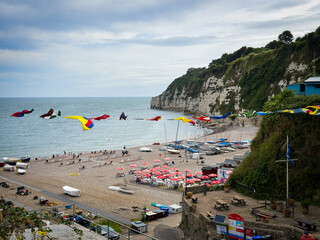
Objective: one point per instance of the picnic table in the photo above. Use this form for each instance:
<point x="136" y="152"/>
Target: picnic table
<point x="220" y="204"/>
<point x="308" y="225"/>
<point x="238" y="200"/>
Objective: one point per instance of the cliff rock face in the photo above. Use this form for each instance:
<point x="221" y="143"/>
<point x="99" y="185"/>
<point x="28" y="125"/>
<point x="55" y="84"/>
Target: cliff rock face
<point x="243" y="80"/>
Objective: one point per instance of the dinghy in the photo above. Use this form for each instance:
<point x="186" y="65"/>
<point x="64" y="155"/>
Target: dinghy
<point x="71" y="191"/>
<point x="21" y="171"/>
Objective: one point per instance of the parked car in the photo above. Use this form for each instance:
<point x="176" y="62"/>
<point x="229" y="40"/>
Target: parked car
<point x="111" y="234"/>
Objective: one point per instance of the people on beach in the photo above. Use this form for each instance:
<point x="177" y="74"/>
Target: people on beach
<point x="124" y="151"/>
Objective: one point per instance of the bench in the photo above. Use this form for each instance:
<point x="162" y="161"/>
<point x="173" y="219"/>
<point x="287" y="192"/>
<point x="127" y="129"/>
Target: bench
<point x="217" y="206"/>
<point x="308" y="225"/>
<point x="211" y="215"/>
<point x="298" y="226"/>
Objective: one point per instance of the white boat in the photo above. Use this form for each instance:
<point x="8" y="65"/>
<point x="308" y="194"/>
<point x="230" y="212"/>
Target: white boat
<point x="145" y="149"/>
<point x="126" y="190"/>
<point x="71" y="191"/>
<point x="173" y="151"/>
<point x="22" y="165"/>
<point x="21" y="171"/>
<point x="11" y="161"/>
<point x="9" y="167"/>
<point x="114" y="188"/>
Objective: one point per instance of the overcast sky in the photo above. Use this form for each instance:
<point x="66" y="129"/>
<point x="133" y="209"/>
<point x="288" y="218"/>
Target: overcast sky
<point x="109" y="48"/>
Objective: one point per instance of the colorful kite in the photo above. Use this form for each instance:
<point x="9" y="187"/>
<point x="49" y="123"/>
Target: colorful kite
<point x="221" y="117"/>
<point x="183" y="119"/>
<point x="157" y="118"/>
<point x="87" y="124"/>
<point x="123" y="116"/>
<point x="105" y="116"/>
<point x="315" y="112"/>
<point x="51" y="114"/>
<point x="22" y="113"/>
<point x="203" y="118"/>
<point x="264" y="113"/>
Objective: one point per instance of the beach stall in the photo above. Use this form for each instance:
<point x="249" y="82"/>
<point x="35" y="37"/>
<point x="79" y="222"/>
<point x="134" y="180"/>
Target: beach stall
<point x="139" y="226"/>
<point x="174" y="208"/>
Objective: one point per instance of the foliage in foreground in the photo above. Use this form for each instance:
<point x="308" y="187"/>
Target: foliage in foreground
<point x="261" y="171"/>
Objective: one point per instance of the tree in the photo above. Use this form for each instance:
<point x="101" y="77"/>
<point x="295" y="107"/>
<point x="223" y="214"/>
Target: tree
<point x="286" y="37"/>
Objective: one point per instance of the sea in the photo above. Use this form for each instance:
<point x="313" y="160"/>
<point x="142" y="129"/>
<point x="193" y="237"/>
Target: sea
<point x="34" y="136"/>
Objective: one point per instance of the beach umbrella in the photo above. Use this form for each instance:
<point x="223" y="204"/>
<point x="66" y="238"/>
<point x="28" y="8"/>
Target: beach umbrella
<point x="166" y="159"/>
<point x="133" y="165"/>
<point x="144" y="163"/>
<point x="197" y="180"/>
<point x="158" y="168"/>
<point x="186" y="170"/>
<point x="228" y="172"/>
<point x="157" y="160"/>
<point x="157" y="173"/>
<point x="165" y="171"/>
<point x="208" y="185"/>
<point x="198" y="173"/>
<point x="177" y="173"/>
<point x="190" y="175"/>
<point x="147" y="174"/>
<point x="165" y="166"/>
<point x="153" y="170"/>
<point x="120" y="168"/>
<point x="181" y="177"/>
<point x="174" y="179"/>
<point x="212" y="175"/>
<point x="190" y="181"/>
<point x="174" y="169"/>
<point x="146" y="171"/>
<point x="214" y="182"/>
<point x="138" y="172"/>
<point x="169" y="175"/>
<point x="204" y="177"/>
<point x="161" y="177"/>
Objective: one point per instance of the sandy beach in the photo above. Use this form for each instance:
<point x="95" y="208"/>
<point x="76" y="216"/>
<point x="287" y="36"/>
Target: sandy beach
<point x="100" y="172"/>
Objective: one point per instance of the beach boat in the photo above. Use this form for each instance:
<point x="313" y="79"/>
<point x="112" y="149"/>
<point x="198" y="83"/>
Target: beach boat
<point x="21" y="171"/>
<point x="22" y="165"/>
<point x="9" y="167"/>
<point x="25" y="159"/>
<point x="173" y="151"/>
<point x="2" y="163"/>
<point x="145" y="149"/>
<point x="158" y="205"/>
<point x="126" y="190"/>
<point x="71" y="191"/>
<point x="114" y="188"/>
<point x="11" y="161"/>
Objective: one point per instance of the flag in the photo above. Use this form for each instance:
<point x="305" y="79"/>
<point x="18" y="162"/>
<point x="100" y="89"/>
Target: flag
<point x="87" y="124"/>
<point x="288" y="152"/>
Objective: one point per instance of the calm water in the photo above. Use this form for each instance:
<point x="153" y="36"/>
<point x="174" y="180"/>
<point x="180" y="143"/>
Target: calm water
<point x="37" y="137"/>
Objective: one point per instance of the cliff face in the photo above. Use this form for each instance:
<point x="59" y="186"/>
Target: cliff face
<point x="242" y="80"/>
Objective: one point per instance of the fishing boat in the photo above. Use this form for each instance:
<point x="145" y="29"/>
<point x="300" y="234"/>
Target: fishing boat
<point x="13" y="161"/>
<point x="71" y="191"/>
<point x="22" y="165"/>
<point x="9" y="167"/>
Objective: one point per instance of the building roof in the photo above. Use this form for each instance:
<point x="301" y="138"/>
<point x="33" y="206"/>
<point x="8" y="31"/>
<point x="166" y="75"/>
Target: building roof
<point x="312" y="80"/>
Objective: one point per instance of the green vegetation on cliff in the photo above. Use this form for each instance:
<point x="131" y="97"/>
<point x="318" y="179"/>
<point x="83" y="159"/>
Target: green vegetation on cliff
<point x="261" y="171"/>
<point x="257" y="71"/>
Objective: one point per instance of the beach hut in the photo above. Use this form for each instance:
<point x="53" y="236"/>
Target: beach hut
<point x="174" y="208"/>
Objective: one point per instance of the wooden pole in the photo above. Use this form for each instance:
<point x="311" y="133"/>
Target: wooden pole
<point x="177" y="131"/>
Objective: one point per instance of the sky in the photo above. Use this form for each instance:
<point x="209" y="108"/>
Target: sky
<point x="131" y="48"/>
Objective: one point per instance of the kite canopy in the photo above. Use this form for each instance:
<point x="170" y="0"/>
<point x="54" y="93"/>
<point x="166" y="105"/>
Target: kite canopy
<point x="87" y="124"/>
<point x="105" y="116"/>
<point x="203" y="118"/>
<point x="51" y="114"/>
<point x="221" y="117"/>
<point x="22" y="113"/>
<point x="123" y="116"/>
<point x="183" y="119"/>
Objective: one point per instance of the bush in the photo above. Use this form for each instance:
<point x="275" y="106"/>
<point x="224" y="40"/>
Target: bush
<point x="305" y="203"/>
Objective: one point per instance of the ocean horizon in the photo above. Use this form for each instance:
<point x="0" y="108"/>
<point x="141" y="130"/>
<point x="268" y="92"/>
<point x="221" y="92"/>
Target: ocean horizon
<point x="37" y="137"/>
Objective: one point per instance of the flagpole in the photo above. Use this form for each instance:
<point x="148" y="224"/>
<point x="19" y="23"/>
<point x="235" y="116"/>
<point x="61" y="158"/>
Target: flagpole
<point x="287" y="197"/>
<point x="177" y="131"/>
